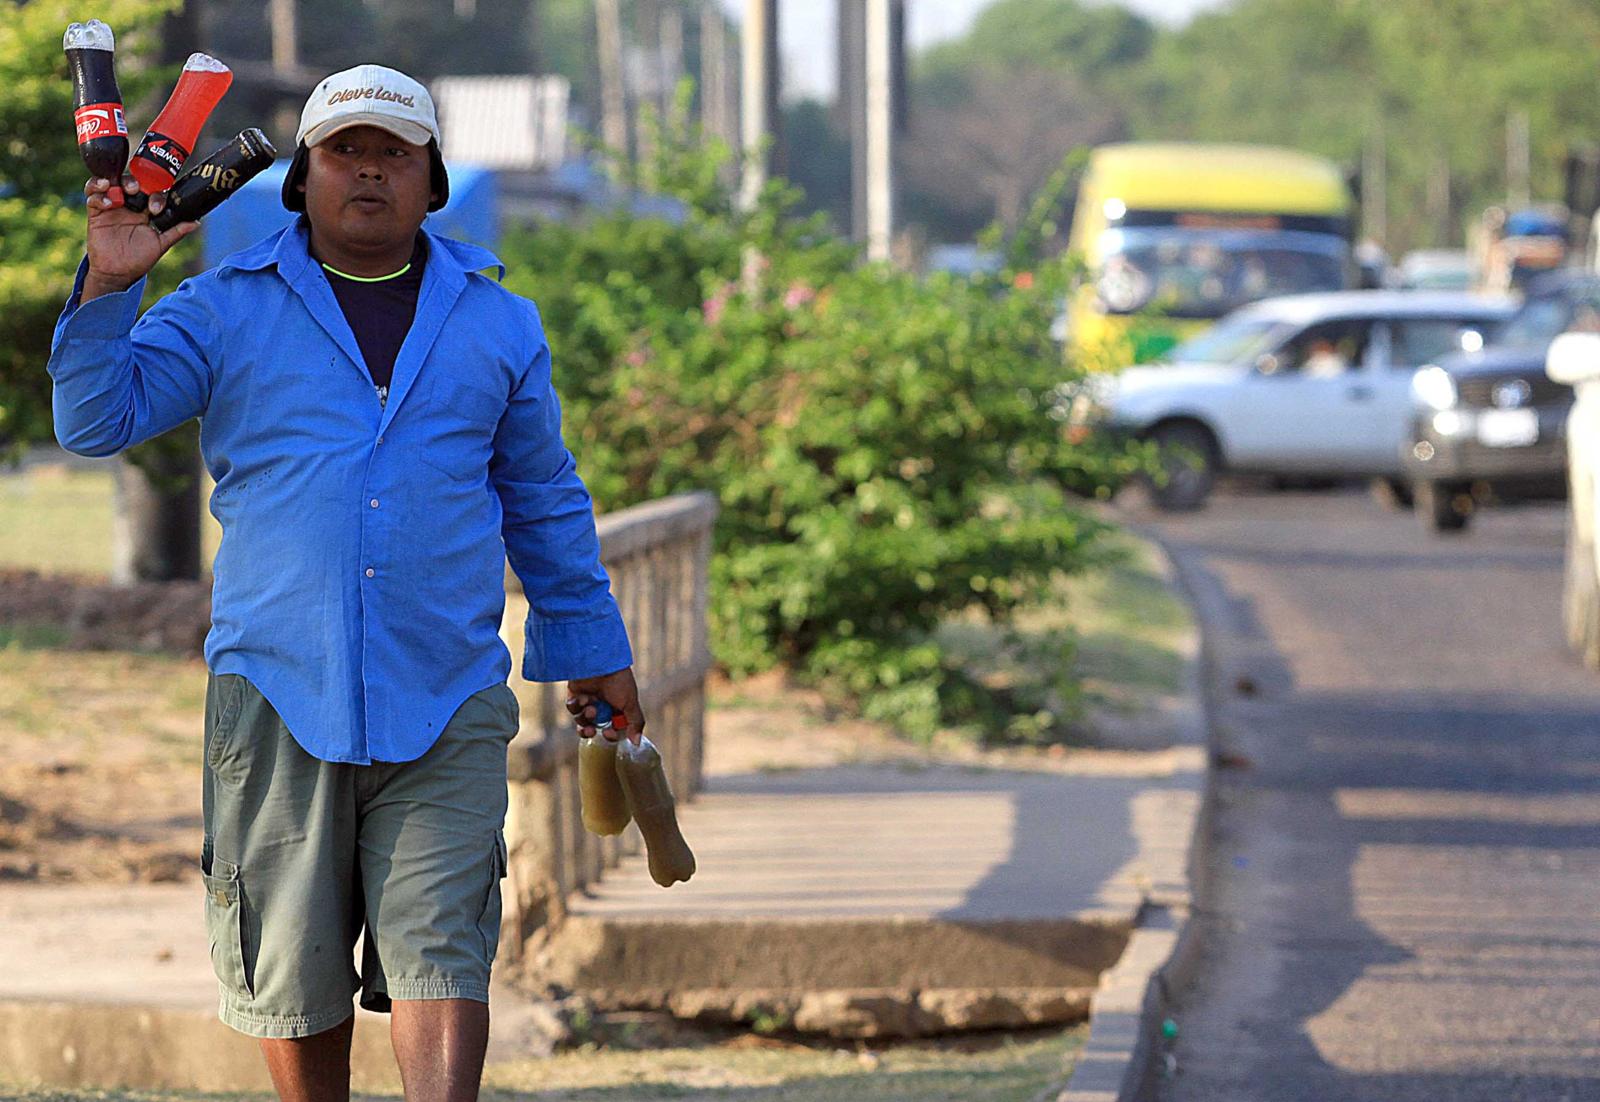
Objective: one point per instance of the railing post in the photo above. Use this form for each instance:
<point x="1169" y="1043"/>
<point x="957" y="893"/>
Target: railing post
<point x="658" y="555"/>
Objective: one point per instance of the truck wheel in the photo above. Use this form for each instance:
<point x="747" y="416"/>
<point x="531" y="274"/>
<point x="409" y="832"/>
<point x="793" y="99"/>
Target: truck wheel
<point x="1393" y="493"/>
<point x="1580" y="597"/>
<point x="1189" y="466"/>
<point x="1443" y="507"/>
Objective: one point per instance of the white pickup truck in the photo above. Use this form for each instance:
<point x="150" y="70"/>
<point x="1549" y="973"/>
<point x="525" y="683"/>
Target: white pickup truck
<point x="1574" y="359"/>
<point x="1301" y="385"/>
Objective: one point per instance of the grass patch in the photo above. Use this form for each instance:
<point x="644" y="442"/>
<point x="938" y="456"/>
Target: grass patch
<point x="90" y="705"/>
<point x="1008" y="1068"/>
<point x="32" y="636"/>
<point x="57" y="519"/>
<point x="1106" y="641"/>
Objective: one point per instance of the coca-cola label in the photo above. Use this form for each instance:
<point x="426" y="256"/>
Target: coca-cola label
<point x="99" y="120"/>
<point x="163" y="151"/>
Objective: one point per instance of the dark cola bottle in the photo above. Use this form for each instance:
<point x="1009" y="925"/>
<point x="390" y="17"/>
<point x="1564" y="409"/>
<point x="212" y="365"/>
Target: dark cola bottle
<point x="203" y="186"/>
<point x="97" y="101"/>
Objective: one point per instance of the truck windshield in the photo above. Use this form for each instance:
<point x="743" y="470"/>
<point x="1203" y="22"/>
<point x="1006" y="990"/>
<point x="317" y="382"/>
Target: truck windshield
<point x="1185" y="273"/>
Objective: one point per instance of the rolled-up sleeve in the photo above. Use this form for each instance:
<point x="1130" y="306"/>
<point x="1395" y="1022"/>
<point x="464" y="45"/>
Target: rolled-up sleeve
<point x="574" y="627"/>
<point x="119" y="381"/>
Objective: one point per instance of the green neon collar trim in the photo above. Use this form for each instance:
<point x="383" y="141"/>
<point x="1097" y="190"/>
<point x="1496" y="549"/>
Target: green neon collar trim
<point x="368" y="279"/>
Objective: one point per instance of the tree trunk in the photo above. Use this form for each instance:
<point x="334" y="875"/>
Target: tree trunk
<point x="156" y="531"/>
<point x="156" y="525"/>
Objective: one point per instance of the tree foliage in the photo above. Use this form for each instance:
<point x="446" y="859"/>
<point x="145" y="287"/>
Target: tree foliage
<point x="881" y="445"/>
<point x="1432" y="80"/>
<point x="41" y="186"/>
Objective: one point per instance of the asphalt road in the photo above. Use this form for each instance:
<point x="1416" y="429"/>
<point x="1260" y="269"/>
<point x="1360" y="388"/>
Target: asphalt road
<point x="1402" y="896"/>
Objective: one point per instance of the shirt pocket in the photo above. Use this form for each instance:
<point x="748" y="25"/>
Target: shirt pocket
<point x="461" y="421"/>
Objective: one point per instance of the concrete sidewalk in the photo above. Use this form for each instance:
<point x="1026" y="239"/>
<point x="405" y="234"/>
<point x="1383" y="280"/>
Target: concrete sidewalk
<point x="871" y="900"/>
<point x="892" y="900"/>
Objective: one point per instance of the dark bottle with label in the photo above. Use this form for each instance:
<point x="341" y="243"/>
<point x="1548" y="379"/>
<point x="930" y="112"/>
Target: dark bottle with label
<point x="97" y="101"/>
<point x="204" y="186"/>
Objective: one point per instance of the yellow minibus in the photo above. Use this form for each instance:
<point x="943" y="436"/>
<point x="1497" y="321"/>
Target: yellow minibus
<point x="1175" y="235"/>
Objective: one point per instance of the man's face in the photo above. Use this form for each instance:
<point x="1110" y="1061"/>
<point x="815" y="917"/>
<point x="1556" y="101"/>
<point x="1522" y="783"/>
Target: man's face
<point x="366" y="188"/>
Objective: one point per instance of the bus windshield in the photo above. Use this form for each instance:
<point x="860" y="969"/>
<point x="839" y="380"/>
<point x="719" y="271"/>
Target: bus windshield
<point x="1185" y="273"/>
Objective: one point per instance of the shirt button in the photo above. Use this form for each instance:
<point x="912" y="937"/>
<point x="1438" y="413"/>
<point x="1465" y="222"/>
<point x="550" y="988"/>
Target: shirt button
<point x="370" y="572"/>
<point x="380" y="439"/>
<point x="374" y="503"/>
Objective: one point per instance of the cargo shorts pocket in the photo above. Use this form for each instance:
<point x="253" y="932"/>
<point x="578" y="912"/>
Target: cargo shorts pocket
<point x="489" y="921"/>
<point x="229" y="689"/>
<point x="225" y="927"/>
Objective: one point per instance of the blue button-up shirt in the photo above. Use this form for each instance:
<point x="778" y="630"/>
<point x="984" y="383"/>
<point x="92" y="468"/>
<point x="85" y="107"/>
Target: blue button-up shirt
<point x="360" y="582"/>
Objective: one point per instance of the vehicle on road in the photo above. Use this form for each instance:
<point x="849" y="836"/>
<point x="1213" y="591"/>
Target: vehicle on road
<point x="1304" y="385"/>
<point x="1489" y="423"/>
<point x="1176" y="235"/>
<point x="1436" y="270"/>
<point x="1515" y="247"/>
<point x="1574" y="360"/>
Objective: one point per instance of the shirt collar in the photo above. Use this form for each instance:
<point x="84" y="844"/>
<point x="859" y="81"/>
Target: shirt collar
<point x="289" y="250"/>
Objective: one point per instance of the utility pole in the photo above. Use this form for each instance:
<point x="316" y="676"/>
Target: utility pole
<point x="1439" y="212"/>
<point x="671" y="54"/>
<point x="533" y="28"/>
<point x="613" y="98"/>
<point x="1518" y="156"/>
<point x="284" y="15"/>
<point x="715" y="110"/>
<point x="853" y="106"/>
<point x="880" y="130"/>
<point x="1375" y="186"/>
<point x="760" y="95"/>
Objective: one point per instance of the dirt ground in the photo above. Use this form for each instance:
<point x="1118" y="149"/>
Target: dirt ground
<point x="102" y="697"/>
<point x="100" y="779"/>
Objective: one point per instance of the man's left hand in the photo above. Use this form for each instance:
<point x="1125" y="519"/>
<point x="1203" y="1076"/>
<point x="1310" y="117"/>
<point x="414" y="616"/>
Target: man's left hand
<point x="618" y="690"/>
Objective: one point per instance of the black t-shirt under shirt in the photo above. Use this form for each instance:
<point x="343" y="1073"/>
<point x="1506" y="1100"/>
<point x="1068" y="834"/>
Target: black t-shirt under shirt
<point x="379" y="312"/>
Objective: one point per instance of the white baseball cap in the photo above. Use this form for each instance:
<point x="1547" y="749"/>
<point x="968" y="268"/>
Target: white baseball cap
<point x="369" y="95"/>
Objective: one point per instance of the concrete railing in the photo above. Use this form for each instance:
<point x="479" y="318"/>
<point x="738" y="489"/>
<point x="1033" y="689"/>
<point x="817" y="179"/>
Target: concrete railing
<point x="657" y="555"/>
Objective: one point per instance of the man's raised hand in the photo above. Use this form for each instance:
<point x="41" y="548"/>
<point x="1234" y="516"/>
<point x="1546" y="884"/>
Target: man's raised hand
<point x="122" y="244"/>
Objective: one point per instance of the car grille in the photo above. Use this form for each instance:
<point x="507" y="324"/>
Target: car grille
<point x="1478" y="390"/>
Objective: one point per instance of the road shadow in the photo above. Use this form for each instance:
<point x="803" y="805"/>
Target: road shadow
<point x="1379" y="865"/>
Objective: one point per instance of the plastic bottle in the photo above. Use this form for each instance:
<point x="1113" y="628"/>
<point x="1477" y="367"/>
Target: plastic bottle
<point x="97" y="101"/>
<point x="204" y="186"/>
<point x="605" y="808"/>
<point x="650" y="802"/>
<point x="170" y="139"/>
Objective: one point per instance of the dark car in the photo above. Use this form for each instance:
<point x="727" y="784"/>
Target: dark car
<point x="1490" y="425"/>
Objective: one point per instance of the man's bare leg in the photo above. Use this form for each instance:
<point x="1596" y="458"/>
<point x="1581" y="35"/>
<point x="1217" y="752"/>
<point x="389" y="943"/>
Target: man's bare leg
<point x="312" y="1069"/>
<point x="439" y="1045"/>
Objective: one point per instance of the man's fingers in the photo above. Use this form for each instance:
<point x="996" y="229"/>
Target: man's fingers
<point x="177" y="233"/>
<point x="130" y="183"/>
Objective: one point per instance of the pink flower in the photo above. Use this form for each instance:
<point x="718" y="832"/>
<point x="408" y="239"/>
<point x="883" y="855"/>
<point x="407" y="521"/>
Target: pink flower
<point x="797" y="296"/>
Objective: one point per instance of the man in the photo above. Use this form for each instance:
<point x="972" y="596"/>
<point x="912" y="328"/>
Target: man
<point x="379" y="420"/>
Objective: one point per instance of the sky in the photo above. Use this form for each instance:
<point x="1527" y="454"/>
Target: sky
<point x="806" y="30"/>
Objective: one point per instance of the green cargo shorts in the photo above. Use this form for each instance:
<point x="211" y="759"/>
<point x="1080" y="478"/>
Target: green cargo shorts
<point x="302" y="856"/>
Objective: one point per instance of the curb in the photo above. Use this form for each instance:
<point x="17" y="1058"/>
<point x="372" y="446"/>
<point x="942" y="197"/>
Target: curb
<point x="1125" y="1054"/>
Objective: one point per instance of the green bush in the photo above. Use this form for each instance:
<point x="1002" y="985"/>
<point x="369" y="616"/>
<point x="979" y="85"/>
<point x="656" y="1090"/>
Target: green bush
<point x="881" y="443"/>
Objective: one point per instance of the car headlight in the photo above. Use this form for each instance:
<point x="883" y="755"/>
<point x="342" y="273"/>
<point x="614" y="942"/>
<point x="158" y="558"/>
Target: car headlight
<point x="1434" y="388"/>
